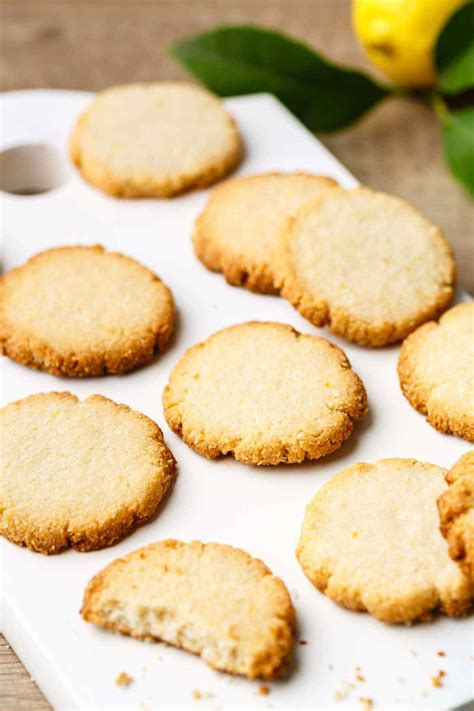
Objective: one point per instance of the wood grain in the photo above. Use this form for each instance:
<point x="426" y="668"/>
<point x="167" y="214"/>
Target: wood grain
<point x="18" y="692"/>
<point x="91" y="45"/>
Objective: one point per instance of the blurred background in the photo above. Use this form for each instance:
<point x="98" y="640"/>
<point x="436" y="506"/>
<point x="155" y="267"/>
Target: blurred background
<point x="71" y="44"/>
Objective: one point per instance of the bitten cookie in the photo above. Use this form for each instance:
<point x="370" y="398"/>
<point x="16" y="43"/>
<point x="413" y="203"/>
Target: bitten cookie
<point x="367" y="264"/>
<point x="239" y="230"/>
<point x="154" y="140"/>
<point x="371" y="541"/>
<point x="456" y="513"/>
<point x="436" y="371"/>
<point x="81" y="311"/>
<point x="79" y="474"/>
<point x="229" y="609"/>
<point x="265" y="394"/>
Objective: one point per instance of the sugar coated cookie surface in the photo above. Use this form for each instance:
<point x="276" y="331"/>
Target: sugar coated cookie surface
<point x="78" y="474"/>
<point x="81" y="311"/>
<point x="239" y="230"/>
<point x="371" y="541"/>
<point x="456" y="513"/>
<point x="367" y="264"/>
<point x="154" y="140"/>
<point x="436" y="367"/>
<point x="210" y="599"/>
<point x="264" y="393"/>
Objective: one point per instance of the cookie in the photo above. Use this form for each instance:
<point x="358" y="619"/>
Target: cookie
<point x="265" y="394"/>
<point x="371" y="541"/>
<point x="210" y="599"/>
<point x="239" y="230"/>
<point x="436" y="371"/>
<point x="365" y="263"/>
<point x="456" y="513"/>
<point x="78" y="474"/>
<point x="154" y="140"/>
<point x="81" y="311"/>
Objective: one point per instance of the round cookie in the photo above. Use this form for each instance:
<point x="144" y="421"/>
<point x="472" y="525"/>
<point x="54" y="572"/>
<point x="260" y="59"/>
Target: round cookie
<point x="365" y="263"/>
<point x="230" y="609"/>
<point x="436" y="367"/>
<point x="239" y="230"/>
<point x="78" y="474"/>
<point x="154" y="140"/>
<point x="81" y="311"/>
<point x="265" y="394"/>
<point x="456" y="513"/>
<point x="371" y="541"/>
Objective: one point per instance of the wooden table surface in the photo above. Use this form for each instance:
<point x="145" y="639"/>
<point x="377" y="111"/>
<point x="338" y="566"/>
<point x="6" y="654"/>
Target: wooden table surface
<point x="91" y="45"/>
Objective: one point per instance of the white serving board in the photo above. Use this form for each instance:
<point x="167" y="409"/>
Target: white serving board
<point x="259" y="510"/>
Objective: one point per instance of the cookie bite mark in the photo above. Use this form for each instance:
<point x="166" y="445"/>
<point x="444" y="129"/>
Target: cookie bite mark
<point x="231" y="610"/>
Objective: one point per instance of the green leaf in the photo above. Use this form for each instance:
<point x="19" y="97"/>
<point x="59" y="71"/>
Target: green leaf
<point x="245" y="60"/>
<point x="455" y="51"/>
<point x="458" y="139"/>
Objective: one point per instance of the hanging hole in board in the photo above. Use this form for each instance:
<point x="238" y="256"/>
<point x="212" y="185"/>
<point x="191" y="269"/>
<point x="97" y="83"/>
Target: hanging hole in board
<point x="31" y="169"/>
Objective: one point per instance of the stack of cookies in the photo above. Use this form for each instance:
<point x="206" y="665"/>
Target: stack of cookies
<point x="394" y="538"/>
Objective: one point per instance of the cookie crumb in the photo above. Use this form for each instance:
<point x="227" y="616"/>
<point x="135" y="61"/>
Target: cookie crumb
<point x="263" y="691"/>
<point x="303" y="642"/>
<point x="441" y="653"/>
<point x="198" y="695"/>
<point x="437" y="680"/>
<point x="366" y="703"/>
<point x="124" y="679"/>
<point x="343" y="692"/>
<point x="360" y="677"/>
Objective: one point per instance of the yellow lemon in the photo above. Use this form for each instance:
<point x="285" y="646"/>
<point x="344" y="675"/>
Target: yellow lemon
<point x="399" y="36"/>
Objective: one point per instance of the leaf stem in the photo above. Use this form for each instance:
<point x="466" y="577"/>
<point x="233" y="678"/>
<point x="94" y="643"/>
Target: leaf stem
<point x="439" y="106"/>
